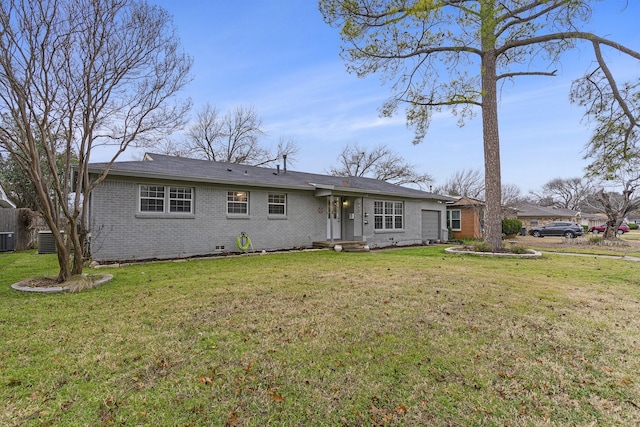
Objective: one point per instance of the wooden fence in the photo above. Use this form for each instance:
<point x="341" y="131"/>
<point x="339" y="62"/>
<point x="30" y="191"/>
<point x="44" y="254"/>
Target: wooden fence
<point x="25" y="225"/>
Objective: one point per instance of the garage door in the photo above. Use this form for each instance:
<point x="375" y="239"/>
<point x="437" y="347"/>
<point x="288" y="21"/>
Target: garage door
<point x="430" y="225"/>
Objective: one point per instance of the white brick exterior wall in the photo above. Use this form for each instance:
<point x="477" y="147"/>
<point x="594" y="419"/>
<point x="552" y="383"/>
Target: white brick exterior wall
<point x="120" y="232"/>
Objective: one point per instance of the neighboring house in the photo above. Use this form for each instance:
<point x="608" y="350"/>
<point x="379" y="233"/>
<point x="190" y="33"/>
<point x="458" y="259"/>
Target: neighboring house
<point x="4" y="200"/>
<point x="8" y="223"/>
<point x="465" y="218"/>
<point x="170" y="207"/>
<point x="601" y="219"/>
<point x="538" y="216"/>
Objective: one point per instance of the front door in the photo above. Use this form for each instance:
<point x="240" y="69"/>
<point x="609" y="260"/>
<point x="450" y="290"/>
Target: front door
<point x="333" y="218"/>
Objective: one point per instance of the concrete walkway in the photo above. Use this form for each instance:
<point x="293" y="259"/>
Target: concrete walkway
<point x="620" y="257"/>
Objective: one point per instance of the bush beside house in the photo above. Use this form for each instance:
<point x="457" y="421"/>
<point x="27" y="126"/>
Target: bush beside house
<point x="511" y="226"/>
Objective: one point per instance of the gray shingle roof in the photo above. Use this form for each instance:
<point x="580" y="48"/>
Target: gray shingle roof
<point x="541" y="211"/>
<point x="160" y="166"/>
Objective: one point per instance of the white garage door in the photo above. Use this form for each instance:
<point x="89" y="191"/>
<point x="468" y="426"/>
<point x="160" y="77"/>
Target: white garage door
<point x="430" y="225"/>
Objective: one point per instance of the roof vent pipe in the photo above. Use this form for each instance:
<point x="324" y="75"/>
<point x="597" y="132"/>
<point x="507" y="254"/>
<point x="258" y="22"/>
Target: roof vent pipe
<point x="284" y="159"/>
<point x="278" y="169"/>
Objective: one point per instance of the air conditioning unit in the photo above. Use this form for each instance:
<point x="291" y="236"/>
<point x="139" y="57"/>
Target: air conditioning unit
<point x="7" y="242"/>
<point x="47" y="243"/>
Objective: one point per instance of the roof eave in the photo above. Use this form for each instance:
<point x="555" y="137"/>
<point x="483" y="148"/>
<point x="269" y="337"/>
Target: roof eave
<point x="306" y="186"/>
<point x="187" y="178"/>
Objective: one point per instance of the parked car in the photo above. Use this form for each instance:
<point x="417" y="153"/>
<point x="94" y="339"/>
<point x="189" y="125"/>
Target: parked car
<point x="624" y="228"/>
<point x="566" y="229"/>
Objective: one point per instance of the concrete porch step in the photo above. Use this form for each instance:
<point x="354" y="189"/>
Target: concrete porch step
<point x="347" y="245"/>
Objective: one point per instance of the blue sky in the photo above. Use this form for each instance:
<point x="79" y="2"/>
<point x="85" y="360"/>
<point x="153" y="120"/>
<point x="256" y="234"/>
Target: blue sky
<point x="281" y="58"/>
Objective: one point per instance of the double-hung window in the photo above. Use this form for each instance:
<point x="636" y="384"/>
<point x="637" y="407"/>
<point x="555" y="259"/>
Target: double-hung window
<point x="166" y="199"/>
<point x="277" y="204"/>
<point x="180" y="199"/>
<point x="238" y="202"/>
<point x="151" y="198"/>
<point x="454" y="219"/>
<point x="388" y="215"/>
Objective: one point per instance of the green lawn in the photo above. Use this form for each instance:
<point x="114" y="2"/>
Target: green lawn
<point x="401" y="337"/>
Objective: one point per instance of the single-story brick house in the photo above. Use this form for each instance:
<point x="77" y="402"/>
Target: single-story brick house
<point x="465" y="217"/>
<point x="538" y="216"/>
<point x="170" y="207"/>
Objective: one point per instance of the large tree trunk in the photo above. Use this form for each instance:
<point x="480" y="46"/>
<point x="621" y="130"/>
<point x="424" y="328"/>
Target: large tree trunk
<point x="490" y="134"/>
<point x="63" y="261"/>
<point x="616" y="211"/>
<point x="50" y="212"/>
<point x="77" y="236"/>
<point x="62" y="250"/>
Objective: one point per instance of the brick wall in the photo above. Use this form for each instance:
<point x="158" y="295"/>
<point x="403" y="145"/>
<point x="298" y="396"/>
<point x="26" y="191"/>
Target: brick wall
<point x="469" y="224"/>
<point x="412" y="232"/>
<point x="120" y="232"/>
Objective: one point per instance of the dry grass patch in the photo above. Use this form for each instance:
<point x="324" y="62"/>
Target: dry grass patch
<point x="626" y="245"/>
<point x="406" y="337"/>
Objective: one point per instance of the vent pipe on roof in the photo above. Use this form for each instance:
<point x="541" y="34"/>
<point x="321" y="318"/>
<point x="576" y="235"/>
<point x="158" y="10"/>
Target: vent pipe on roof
<point x="284" y="159"/>
<point x="278" y="168"/>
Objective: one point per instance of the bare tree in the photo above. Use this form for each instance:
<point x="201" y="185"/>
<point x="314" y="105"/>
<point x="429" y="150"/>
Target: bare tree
<point x="614" y="147"/>
<point x="380" y="163"/>
<point x="617" y="205"/>
<point x="205" y="134"/>
<point x="233" y="137"/>
<point x="511" y="195"/>
<point x="172" y="147"/>
<point x="75" y="75"/>
<point x="470" y="183"/>
<point x="452" y="55"/>
<point x="566" y="193"/>
<point x="464" y="183"/>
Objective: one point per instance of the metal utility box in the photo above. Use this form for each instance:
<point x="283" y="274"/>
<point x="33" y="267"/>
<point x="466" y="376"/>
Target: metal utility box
<point x="7" y="241"/>
<point x="46" y="243"/>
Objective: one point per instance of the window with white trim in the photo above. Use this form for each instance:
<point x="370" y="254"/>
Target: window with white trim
<point x="180" y="199"/>
<point x="388" y="215"/>
<point x="238" y="202"/>
<point x="166" y="199"/>
<point x="454" y="219"/>
<point x="277" y="204"/>
<point x="151" y="198"/>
